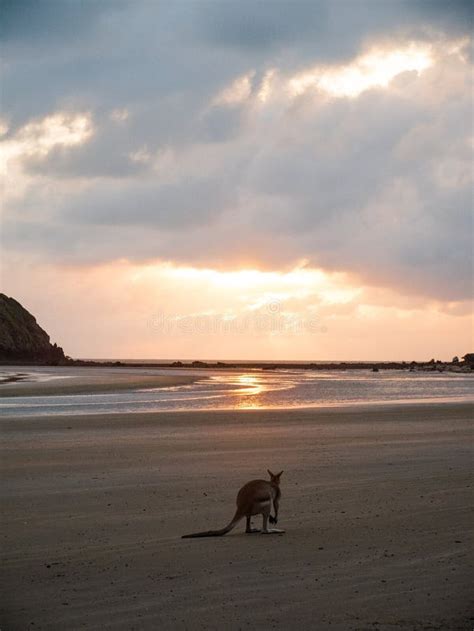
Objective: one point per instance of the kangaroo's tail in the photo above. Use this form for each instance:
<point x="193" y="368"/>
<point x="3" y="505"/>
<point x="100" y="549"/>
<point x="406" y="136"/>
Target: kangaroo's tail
<point x="217" y="533"/>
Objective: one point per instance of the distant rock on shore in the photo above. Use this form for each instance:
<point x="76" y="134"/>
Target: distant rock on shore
<point x="21" y="337"/>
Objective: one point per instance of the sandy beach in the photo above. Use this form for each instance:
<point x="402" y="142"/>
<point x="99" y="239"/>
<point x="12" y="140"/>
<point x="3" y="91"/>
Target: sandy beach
<point x="377" y="504"/>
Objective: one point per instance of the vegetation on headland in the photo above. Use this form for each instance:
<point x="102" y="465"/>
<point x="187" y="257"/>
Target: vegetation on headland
<point x="23" y="341"/>
<point x="432" y="365"/>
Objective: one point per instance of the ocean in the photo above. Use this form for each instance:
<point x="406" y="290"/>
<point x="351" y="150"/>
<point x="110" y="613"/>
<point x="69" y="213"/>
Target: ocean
<point x="252" y="389"/>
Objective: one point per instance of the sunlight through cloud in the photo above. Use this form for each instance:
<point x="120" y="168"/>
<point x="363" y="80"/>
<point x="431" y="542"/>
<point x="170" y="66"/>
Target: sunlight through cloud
<point x="374" y="69"/>
<point x="237" y="92"/>
<point x="39" y="137"/>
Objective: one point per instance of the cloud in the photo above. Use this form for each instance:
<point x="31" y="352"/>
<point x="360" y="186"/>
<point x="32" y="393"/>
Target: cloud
<point x="337" y="137"/>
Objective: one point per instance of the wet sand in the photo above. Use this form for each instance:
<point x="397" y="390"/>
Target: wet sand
<point x="66" y="380"/>
<point x="377" y="504"/>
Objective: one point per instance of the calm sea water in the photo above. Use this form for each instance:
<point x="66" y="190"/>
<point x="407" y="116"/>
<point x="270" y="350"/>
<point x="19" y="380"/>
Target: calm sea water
<point x="256" y="389"/>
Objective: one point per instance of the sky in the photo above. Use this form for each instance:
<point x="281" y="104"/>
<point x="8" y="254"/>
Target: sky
<point x="240" y="180"/>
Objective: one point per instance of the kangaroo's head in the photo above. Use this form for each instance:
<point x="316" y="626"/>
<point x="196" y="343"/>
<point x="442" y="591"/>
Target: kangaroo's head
<point x="274" y="479"/>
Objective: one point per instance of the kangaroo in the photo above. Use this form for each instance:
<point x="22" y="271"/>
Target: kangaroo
<point x="254" y="498"/>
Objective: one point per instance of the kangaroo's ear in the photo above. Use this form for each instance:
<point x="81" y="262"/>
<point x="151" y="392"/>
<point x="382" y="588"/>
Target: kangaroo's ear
<point x="270" y="473"/>
<point x="279" y="474"/>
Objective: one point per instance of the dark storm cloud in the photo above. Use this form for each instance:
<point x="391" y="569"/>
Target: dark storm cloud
<point x="256" y="24"/>
<point x="454" y="16"/>
<point x="30" y="22"/>
<point x="166" y="206"/>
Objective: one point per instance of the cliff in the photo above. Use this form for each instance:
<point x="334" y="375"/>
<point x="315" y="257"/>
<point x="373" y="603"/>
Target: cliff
<point x="21" y="337"/>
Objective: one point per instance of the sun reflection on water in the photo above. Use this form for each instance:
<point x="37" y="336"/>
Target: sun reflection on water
<point x="250" y="386"/>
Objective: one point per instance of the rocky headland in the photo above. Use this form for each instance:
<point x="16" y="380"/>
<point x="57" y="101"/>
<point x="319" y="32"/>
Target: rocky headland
<point x="22" y="339"/>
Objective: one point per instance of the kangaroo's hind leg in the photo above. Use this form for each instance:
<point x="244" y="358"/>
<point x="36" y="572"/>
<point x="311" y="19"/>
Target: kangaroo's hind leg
<point x="265" y="529"/>
<point x="249" y="530"/>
